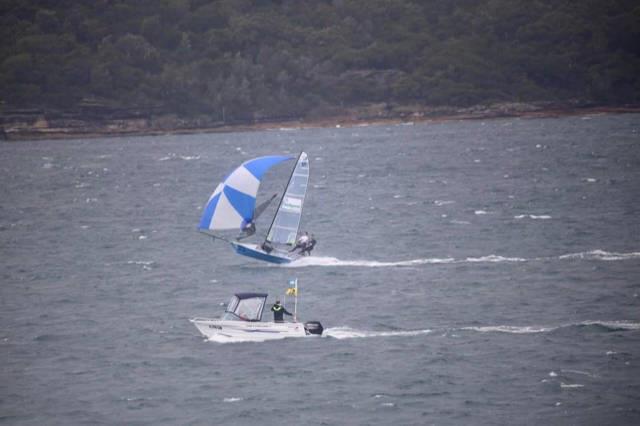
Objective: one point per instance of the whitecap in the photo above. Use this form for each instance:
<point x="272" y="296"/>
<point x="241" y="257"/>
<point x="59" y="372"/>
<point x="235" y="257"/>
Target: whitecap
<point x="443" y="202"/>
<point x="146" y="264"/>
<point x="232" y="399"/>
<point x="570" y="386"/>
<point x="140" y="262"/>
<point x="532" y="216"/>
<point x="481" y="212"/>
<point x="582" y="373"/>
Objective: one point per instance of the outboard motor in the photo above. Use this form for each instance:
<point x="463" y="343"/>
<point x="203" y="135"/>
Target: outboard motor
<point x="313" y="327"/>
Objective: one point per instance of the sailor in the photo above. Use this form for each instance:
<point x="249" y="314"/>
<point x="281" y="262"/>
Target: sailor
<point x="301" y="243"/>
<point x="248" y="230"/>
<point x="278" y="312"/>
<point x="309" y="246"/>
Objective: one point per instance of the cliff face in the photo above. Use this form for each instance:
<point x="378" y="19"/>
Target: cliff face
<point x="38" y="124"/>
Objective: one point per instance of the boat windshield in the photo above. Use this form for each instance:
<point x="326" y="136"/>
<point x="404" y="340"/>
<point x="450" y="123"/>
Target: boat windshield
<point x="248" y="309"/>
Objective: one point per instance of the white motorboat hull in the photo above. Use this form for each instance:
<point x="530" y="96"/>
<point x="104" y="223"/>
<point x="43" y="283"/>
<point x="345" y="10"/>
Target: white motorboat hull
<point x="225" y="331"/>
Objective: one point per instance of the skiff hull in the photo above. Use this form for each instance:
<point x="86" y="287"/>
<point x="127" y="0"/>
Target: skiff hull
<point x="253" y="251"/>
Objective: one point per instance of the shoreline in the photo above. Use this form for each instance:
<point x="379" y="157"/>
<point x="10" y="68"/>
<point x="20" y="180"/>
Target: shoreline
<point x="37" y="126"/>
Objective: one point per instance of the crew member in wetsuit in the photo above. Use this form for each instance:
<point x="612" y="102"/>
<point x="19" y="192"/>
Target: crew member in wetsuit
<point x="301" y="243"/>
<point x="278" y="312"/>
<point x="306" y="251"/>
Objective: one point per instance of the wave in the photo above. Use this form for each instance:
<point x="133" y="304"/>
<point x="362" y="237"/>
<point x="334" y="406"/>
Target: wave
<point x="600" y="255"/>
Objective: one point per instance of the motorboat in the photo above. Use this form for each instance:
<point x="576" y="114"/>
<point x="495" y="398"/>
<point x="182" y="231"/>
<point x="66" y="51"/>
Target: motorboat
<point x="242" y="322"/>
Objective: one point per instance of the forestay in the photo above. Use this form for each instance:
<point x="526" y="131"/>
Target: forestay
<point x="231" y="206"/>
<point x="284" y="228"/>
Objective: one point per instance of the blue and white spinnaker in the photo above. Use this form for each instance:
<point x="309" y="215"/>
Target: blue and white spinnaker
<point x="232" y="204"/>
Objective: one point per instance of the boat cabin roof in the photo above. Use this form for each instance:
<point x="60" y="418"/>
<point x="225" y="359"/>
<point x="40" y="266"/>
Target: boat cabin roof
<point x="250" y="295"/>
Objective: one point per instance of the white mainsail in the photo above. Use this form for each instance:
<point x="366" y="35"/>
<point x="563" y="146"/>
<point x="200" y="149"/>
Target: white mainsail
<point x="285" y="225"/>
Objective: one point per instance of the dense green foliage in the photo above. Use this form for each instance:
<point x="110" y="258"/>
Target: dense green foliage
<point x="246" y="59"/>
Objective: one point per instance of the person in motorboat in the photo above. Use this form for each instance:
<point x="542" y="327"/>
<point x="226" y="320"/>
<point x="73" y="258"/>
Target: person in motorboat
<point x="301" y="243"/>
<point x="306" y="251"/>
<point x="279" y="311"/>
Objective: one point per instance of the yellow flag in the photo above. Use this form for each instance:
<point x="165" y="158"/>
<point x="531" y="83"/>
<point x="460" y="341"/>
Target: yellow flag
<point x="292" y="291"/>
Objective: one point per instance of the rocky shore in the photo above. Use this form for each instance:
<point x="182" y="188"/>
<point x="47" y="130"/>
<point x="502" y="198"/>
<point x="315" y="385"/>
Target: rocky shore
<point x="98" y="121"/>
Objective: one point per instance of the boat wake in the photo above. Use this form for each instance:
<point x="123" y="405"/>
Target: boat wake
<point x="345" y="332"/>
<point x="599" y="255"/>
<point x="588" y="325"/>
<point x="332" y="261"/>
<point x="604" y="326"/>
<point x="350" y="333"/>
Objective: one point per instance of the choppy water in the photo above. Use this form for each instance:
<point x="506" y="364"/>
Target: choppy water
<point x="478" y="272"/>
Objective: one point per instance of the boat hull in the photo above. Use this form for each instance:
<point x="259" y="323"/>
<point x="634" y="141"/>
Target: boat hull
<point x="223" y="331"/>
<point x="253" y="251"/>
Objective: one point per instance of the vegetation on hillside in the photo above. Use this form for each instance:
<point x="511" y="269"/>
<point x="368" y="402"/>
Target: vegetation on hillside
<point x="252" y="59"/>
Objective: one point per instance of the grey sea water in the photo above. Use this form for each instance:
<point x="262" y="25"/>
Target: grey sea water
<point x="473" y="272"/>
